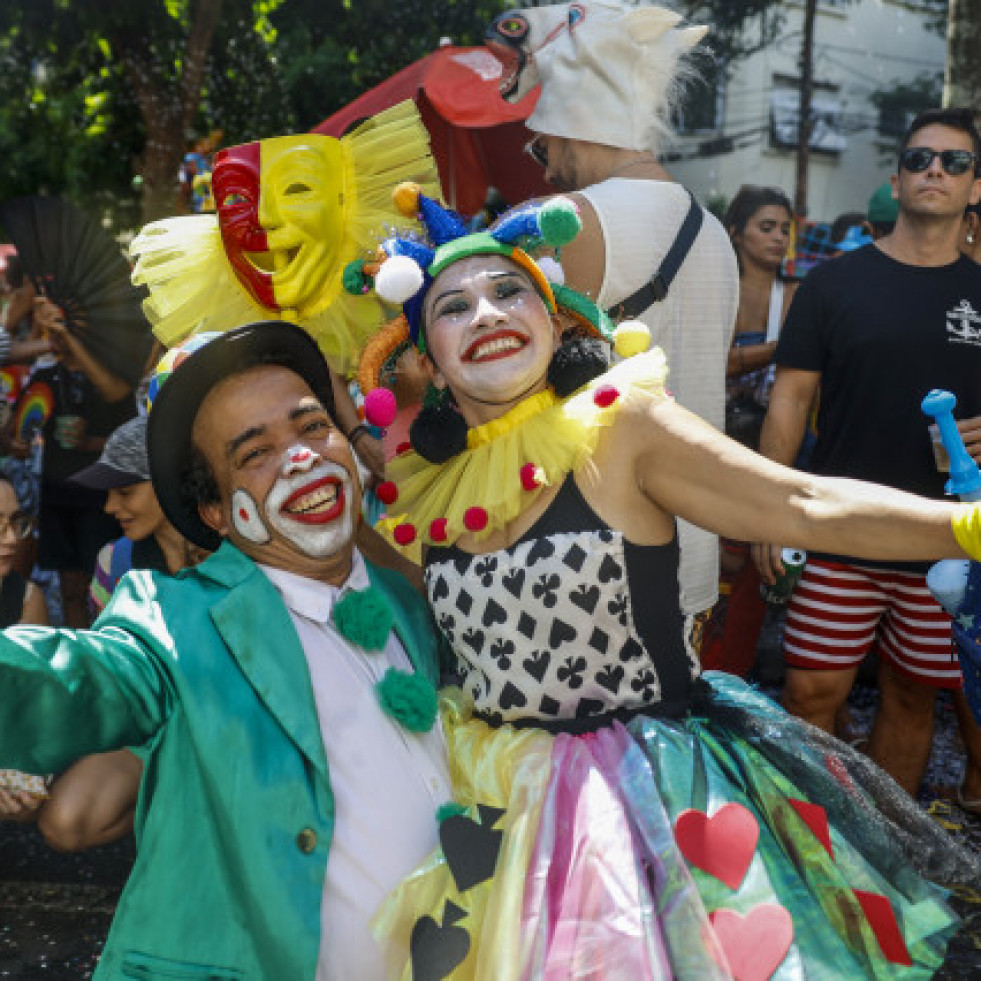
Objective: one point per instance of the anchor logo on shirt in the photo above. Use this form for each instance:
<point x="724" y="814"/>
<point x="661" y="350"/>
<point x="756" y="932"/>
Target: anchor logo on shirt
<point x="964" y="322"/>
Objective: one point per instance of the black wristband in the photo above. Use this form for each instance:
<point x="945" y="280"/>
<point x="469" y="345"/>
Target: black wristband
<point x="357" y="432"/>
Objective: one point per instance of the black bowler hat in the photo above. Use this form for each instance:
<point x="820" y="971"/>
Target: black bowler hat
<point x="176" y="404"/>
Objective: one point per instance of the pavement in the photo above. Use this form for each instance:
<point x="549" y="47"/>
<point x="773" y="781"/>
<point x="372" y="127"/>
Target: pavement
<point x="55" y="909"/>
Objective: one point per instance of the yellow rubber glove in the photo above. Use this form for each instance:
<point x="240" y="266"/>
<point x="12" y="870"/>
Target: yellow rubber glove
<point x="966" y="524"/>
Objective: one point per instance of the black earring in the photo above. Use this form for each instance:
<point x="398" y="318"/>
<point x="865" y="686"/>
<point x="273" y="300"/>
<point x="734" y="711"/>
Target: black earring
<point x="438" y="433"/>
<point x="577" y="361"/>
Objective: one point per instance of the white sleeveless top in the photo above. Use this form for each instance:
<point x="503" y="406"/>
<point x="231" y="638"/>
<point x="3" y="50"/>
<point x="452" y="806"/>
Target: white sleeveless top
<point x="693" y="325"/>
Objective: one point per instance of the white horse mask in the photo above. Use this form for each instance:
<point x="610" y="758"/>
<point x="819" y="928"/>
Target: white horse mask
<point x="608" y="70"/>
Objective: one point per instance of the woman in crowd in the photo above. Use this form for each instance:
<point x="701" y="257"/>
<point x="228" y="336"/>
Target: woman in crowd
<point x="20" y="602"/>
<point x="615" y="814"/>
<point x="759" y="222"/>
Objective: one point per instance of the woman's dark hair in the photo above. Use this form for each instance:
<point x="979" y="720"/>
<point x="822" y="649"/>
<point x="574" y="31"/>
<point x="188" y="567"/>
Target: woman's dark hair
<point x="749" y="199"/>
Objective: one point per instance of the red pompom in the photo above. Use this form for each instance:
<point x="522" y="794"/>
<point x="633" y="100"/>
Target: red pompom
<point x="380" y="407"/>
<point x="475" y="519"/>
<point x="529" y="477"/>
<point x="437" y="530"/>
<point x="605" y="396"/>
<point x="387" y="492"/>
<point x="405" y="534"/>
<point x="403" y="448"/>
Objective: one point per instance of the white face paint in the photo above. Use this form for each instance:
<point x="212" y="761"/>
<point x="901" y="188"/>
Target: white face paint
<point x="311" y="504"/>
<point x="247" y="520"/>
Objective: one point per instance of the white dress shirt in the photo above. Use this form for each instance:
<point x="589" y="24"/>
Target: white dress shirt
<point x="387" y="782"/>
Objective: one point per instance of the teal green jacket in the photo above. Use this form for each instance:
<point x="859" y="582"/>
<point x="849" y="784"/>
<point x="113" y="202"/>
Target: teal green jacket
<point x="236" y="813"/>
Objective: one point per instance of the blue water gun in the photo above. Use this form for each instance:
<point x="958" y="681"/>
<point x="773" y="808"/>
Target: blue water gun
<point x="956" y="583"/>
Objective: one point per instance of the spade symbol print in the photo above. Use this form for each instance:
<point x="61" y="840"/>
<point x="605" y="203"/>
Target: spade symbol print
<point x="471" y="848"/>
<point x="437" y="950"/>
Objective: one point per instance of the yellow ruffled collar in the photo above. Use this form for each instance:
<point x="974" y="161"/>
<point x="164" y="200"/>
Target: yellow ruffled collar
<point x="489" y="431"/>
<point x="510" y="460"/>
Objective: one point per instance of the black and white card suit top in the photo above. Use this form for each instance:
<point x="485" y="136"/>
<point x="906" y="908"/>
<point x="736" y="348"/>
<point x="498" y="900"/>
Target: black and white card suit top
<point x="572" y="623"/>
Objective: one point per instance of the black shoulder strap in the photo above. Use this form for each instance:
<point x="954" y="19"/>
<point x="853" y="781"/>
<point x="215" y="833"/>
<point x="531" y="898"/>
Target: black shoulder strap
<point x="657" y="289"/>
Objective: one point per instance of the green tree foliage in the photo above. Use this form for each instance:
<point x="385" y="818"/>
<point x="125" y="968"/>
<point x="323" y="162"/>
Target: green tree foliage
<point x="100" y="100"/>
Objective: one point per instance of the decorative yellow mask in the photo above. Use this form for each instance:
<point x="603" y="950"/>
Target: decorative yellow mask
<point x="292" y="212"/>
<point x="281" y="212"/>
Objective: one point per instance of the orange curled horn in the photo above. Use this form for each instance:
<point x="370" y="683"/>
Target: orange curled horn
<point x="405" y="197"/>
<point x="379" y="349"/>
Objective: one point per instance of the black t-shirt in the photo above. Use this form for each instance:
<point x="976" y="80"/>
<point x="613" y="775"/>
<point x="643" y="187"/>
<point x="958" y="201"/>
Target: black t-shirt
<point x="883" y="334"/>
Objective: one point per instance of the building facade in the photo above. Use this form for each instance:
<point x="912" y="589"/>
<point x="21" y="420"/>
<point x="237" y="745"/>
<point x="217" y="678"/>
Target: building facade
<point x="876" y="62"/>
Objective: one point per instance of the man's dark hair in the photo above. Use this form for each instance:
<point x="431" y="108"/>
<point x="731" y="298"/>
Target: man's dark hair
<point x="955" y="117"/>
<point x="198" y="483"/>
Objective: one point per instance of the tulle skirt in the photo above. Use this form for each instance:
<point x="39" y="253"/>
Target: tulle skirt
<point x="735" y="842"/>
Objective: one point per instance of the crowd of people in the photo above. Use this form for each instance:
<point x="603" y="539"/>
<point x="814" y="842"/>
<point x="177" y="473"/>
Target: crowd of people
<point x="444" y="686"/>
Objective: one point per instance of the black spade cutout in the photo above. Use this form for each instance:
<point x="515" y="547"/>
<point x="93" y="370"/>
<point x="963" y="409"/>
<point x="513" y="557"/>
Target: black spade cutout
<point x="470" y="848"/>
<point x="437" y="950"/>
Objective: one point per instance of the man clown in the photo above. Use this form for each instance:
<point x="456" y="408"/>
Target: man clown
<point x="283" y="687"/>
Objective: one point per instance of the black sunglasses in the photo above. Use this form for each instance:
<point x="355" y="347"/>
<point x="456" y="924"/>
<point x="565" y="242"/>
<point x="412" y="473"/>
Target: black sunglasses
<point x="535" y="148"/>
<point x="916" y="159"/>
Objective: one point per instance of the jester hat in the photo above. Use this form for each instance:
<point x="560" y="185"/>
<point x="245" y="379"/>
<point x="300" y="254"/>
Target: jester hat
<point x="292" y="211"/>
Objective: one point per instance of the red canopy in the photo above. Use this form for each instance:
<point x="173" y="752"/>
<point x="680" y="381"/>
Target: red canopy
<point x="477" y="137"/>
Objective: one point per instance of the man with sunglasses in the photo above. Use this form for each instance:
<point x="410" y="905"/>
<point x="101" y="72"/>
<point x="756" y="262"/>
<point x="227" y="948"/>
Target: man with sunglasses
<point x="874" y="331"/>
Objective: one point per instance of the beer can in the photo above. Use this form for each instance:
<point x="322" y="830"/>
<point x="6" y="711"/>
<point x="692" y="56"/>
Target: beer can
<point x="778" y="594"/>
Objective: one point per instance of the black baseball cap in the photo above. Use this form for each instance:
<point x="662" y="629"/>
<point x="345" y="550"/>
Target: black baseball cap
<point x="123" y="461"/>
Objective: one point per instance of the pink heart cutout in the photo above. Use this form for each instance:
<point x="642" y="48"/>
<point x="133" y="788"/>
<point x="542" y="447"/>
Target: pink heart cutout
<point x="722" y="845"/>
<point x="755" y="944"/>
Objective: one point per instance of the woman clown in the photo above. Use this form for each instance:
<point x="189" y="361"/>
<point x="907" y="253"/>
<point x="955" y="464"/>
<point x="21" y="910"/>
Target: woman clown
<point x="616" y="814"/>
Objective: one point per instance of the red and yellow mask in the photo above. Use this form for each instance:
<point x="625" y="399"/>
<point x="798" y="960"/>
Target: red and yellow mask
<point x="280" y="206"/>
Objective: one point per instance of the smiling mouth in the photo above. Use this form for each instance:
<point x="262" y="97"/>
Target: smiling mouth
<point x="499" y="345"/>
<point x="266" y="262"/>
<point x="315" y="504"/>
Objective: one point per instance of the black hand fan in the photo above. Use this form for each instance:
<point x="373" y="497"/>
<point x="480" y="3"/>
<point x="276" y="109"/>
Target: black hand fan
<point x="79" y="266"/>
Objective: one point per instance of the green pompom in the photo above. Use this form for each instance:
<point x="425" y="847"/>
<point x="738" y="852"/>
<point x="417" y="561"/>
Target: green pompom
<point x="364" y="618"/>
<point x="559" y="221"/>
<point x="354" y="279"/>
<point x="450" y="809"/>
<point x="408" y="698"/>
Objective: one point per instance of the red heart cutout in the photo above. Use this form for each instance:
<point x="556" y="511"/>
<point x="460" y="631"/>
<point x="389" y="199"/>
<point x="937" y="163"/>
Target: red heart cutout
<point x="754" y="944"/>
<point x="816" y="818"/>
<point x="878" y="911"/>
<point x="722" y="845"/>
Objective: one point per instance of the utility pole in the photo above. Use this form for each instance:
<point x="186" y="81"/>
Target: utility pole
<point x="962" y="79"/>
<point x="804" y="124"/>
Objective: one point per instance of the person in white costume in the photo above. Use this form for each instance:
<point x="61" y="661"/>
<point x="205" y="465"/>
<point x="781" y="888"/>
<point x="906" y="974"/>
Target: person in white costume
<point x="608" y="72"/>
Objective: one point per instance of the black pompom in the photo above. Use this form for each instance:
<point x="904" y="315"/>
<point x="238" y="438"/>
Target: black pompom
<point x="438" y="433"/>
<point x="577" y="361"/>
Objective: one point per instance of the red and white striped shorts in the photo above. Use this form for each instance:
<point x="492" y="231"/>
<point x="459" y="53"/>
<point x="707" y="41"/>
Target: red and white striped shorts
<point x="837" y="610"/>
